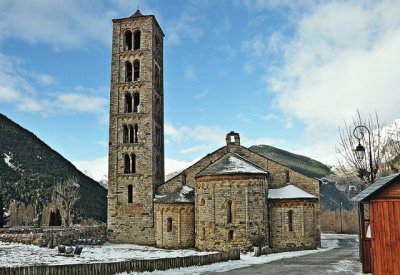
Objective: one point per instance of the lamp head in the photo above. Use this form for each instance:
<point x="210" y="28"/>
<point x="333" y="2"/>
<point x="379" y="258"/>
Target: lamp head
<point x="360" y="152"/>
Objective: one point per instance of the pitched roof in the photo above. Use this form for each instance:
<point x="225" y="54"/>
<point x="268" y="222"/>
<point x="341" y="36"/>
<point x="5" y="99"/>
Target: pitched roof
<point x="137" y="14"/>
<point x="230" y="164"/>
<point x="375" y="187"/>
<point x="289" y="192"/>
<point x="182" y="195"/>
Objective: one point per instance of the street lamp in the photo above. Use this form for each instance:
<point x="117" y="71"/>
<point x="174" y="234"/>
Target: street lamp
<point x="359" y="151"/>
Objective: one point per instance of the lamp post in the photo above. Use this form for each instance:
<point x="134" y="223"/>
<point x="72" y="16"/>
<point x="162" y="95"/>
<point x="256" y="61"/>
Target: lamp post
<point x="359" y="151"/>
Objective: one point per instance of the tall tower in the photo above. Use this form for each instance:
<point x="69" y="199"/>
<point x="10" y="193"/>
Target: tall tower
<point x="136" y="146"/>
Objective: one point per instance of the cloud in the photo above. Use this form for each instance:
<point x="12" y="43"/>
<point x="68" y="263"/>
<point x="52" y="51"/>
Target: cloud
<point x="343" y="56"/>
<point x="96" y="169"/>
<point x="16" y="89"/>
<point x="190" y="73"/>
<point x="201" y="95"/>
<point x="193" y="149"/>
<point x="173" y="165"/>
<point x="184" y="27"/>
<point x="243" y="118"/>
<point x="61" y="24"/>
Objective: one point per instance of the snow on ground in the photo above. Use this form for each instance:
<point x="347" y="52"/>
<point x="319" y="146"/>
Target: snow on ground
<point x="328" y="241"/>
<point x="13" y="254"/>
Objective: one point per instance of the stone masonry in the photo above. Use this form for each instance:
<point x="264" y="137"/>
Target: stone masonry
<point x="136" y="145"/>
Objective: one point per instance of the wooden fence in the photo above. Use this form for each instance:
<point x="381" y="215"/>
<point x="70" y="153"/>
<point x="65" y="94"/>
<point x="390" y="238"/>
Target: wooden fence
<point x="124" y="266"/>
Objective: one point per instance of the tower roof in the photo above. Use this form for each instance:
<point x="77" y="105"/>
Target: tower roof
<point x="230" y="164"/>
<point x="137" y="14"/>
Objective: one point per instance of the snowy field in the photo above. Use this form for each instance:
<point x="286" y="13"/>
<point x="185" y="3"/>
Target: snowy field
<point x="12" y="254"/>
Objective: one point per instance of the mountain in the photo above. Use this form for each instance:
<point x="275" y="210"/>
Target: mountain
<point x="299" y="163"/>
<point x="29" y="169"/>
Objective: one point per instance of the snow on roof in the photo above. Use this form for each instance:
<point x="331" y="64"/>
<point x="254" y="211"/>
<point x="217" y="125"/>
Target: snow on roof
<point x="289" y="192"/>
<point x="231" y="164"/>
<point x="183" y="195"/>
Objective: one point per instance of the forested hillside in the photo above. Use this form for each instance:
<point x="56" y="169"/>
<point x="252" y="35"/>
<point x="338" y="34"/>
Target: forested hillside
<point x="29" y="169"/>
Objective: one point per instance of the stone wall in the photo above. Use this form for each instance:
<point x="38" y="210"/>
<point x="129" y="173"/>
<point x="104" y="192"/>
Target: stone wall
<point x="178" y="234"/>
<point x="303" y="232"/>
<point x="52" y="236"/>
<point x="246" y="195"/>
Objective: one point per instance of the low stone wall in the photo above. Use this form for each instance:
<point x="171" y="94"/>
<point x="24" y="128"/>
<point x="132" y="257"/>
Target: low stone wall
<point x="125" y="266"/>
<point x="52" y="236"/>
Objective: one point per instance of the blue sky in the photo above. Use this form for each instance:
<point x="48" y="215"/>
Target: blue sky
<point x="283" y="73"/>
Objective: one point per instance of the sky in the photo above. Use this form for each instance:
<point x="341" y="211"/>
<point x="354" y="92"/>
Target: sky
<point x="285" y="73"/>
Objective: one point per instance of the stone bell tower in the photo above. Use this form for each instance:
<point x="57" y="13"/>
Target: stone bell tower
<point x="136" y="145"/>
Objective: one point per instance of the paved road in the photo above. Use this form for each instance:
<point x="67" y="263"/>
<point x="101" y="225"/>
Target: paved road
<point x="343" y="261"/>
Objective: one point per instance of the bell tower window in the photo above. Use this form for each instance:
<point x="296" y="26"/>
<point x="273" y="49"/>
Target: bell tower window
<point x="128" y="103"/>
<point x="133" y="168"/>
<point x="126" y="134"/>
<point x="130" y="193"/>
<point x="126" y="164"/>
<point x="128" y="70"/>
<point x="135" y="134"/>
<point x="128" y="40"/>
<point x="137" y="35"/>
<point x="136" y="70"/>
<point x="136" y="103"/>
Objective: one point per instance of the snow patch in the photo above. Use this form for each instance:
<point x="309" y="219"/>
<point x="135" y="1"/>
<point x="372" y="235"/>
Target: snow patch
<point x="289" y="192"/>
<point x="238" y="165"/>
<point x="8" y="159"/>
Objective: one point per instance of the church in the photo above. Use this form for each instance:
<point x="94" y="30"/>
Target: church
<point x="226" y="200"/>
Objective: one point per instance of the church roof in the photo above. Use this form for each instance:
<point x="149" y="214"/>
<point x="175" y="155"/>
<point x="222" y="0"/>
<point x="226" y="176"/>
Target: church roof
<point x="230" y="164"/>
<point x="182" y="195"/>
<point x="289" y="192"/>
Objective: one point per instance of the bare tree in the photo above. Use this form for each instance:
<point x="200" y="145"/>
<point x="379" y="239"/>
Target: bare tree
<point x="349" y="165"/>
<point x="65" y="194"/>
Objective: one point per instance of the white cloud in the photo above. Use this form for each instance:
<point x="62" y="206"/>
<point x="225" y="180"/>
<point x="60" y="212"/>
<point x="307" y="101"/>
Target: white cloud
<point x="96" y="169"/>
<point x="45" y="79"/>
<point x="190" y="73"/>
<point x="344" y="56"/>
<point x="173" y="165"/>
<point x="201" y="95"/>
<point x="61" y="24"/>
<point x="243" y="118"/>
<point x="193" y="149"/>
<point x="182" y="28"/>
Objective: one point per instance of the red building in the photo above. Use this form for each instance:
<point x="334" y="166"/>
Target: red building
<point x="379" y="214"/>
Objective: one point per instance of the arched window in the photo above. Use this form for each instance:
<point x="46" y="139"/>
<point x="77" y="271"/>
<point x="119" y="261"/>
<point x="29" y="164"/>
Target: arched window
<point x="128" y="103"/>
<point x="202" y="202"/>
<point x="203" y="233"/>
<point x="229" y="212"/>
<point x="128" y="70"/>
<point x="136" y="103"/>
<point x="133" y="170"/>
<point x="137" y="40"/>
<point x="290" y="220"/>
<point x="131" y="134"/>
<point x="130" y="193"/>
<point x="136" y="70"/>
<point x="128" y="40"/>
<point x="287" y="175"/>
<point x="126" y="164"/>
<point x="230" y="235"/>
<point x="135" y="135"/>
<point x="169" y="224"/>
<point x="126" y="134"/>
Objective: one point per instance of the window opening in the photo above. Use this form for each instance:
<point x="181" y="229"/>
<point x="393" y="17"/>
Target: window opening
<point x="230" y="235"/>
<point x="290" y="220"/>
<point x="135" y="135"/>
<point x="169" y="224"/>
<point x="229" y="212"/>
<point x="128" y="68"/>
<point x="126" y="163"/>
<point x="287" y="175"/>
<point x="126" y="134"/>
<point x="136" y="103"/>
<point x="128" y="40"/>
<point x="137" y="35"/>
<point x="128" y="103"/>
<point x="133" y="170"/>
<point x="203" y="233"/>
<point x="130" y="193"/>
<point x="136" y="69"/>
<point x="131" y="134"/>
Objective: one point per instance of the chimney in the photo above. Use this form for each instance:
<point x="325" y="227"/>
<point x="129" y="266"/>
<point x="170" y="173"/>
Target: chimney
<point x="232" y="138"/>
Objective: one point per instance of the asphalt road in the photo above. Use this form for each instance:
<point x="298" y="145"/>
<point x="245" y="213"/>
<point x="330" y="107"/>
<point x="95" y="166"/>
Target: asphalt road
<point x="342" y="260"/>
